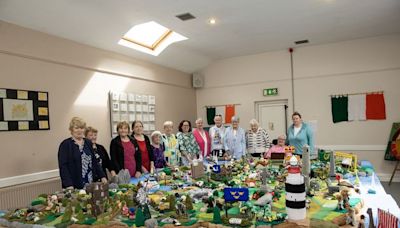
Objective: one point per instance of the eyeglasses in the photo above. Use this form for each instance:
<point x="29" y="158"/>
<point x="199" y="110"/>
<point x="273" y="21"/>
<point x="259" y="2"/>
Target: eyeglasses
<point x="185" y="125"/>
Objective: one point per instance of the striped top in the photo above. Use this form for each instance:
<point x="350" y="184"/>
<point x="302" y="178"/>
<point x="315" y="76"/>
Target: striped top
<point x="257" y="142"/>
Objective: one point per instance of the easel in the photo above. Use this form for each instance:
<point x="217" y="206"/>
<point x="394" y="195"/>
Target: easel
<point x="396" y="168"/>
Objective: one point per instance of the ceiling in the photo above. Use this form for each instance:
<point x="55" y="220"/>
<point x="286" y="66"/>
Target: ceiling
<point x="243" y="26"/>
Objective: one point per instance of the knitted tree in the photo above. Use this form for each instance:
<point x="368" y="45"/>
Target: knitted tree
<point x="67" y="214"/>
<point x="217" y="216"/>
<point x="81" y="217"/>
<point x="139" y="219"/>
<point x="172" y="202"/>
<point x="215" y="193"/>
<point x="146" y="212"/>
<point x="189" y="203"/>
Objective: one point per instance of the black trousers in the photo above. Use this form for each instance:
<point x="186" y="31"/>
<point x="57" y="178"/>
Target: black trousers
<point x="256" y="155"/>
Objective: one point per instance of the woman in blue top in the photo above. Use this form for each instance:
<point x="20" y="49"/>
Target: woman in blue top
<point x="234" y="140"/>
<point x="300" y="134"/>
<point x="76" y="159"/>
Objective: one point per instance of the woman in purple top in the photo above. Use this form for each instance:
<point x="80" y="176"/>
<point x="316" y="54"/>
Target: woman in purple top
<point x="158" y="150"/>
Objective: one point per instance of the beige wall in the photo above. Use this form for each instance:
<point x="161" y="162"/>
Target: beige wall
<point x="78" y="79"/>
<point x="363" y="65"/>
<point x="75" y="74"/>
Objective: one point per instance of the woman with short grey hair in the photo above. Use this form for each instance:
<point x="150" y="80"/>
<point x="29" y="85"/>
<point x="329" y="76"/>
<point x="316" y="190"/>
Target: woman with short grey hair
<point x="202" y="138"/>
<point x="170" y="142"/>
<point x="234" y="140"/>
<point x="257" y="139"/>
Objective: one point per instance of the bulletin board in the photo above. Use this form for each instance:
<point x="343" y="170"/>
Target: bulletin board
<point x="130" y="107"/>
<point x="23" y="110"/>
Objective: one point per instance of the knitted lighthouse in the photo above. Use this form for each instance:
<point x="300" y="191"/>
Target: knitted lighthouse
<point x="295" y="191"/>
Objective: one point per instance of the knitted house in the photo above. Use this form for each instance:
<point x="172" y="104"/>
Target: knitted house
<point x="197" y="170"/>
<point x="99" y="192"/>
<point x="224" y="174"/>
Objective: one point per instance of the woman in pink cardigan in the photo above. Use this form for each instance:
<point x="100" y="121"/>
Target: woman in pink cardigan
<point x="202" y="138"/>
<point x="280" y="148"/>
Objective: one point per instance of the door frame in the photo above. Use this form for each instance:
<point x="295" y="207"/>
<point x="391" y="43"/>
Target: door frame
<point x="285" y="102"/>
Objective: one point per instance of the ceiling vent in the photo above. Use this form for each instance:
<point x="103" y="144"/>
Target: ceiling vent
<point x="301" y="42"/>
<point x="185" y="16"/>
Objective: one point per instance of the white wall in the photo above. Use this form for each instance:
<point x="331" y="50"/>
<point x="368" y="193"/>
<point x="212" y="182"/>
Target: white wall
<point x="362" y="65"/>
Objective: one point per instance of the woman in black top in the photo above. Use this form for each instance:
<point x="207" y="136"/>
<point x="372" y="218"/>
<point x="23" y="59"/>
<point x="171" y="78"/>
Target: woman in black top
<point x="144" y="145"/>
<point x="99" y="151"/>
<point x="125" y="153"/>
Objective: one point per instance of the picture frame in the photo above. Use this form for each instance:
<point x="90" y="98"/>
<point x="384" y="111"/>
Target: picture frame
<point x="24" y="110"/>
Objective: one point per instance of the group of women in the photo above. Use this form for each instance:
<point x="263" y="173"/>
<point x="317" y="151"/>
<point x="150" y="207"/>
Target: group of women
<point x="82" y="160"/>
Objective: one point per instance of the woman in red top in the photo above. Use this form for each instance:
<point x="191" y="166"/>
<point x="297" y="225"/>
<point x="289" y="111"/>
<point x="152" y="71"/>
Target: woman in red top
<point x="124" y="152"/>
<point x="144" y="147"/>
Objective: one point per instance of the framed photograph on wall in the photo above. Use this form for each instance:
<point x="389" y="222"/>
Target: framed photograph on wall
<point x="125" y="106"/>
<point x="152" y="100"/>
<point x="115" y="106"/>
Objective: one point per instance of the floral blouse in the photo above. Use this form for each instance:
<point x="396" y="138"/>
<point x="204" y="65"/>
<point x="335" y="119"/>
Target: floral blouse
<point x="187" y="143"/>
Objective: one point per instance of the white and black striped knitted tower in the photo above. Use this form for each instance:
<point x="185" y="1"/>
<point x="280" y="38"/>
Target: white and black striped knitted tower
<point x="295" y="192"/>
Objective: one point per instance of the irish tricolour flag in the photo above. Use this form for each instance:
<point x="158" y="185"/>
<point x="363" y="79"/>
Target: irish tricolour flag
<point x="358" y="107"/>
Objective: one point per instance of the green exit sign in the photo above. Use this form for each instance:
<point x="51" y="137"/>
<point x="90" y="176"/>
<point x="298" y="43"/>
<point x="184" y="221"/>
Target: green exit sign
<point x="270" y="92"/>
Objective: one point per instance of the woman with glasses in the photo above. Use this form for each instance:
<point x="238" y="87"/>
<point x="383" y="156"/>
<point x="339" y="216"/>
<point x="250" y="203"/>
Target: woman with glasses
<point x="187" y="143"/>
<point x="279" y="148"/>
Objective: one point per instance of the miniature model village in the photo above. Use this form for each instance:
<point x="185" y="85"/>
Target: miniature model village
<point x="212" y="193"/>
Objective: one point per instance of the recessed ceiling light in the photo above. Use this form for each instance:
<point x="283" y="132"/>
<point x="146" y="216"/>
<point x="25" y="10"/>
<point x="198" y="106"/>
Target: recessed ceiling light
<point x="212" y="21"/>
<point x="150" y="37"/>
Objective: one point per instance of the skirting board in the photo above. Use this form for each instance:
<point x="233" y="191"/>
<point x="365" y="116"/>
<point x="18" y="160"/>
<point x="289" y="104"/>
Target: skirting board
<point x="385" y="177"/>
<point x="27" y="178"/>
<point x="353" y="147"/>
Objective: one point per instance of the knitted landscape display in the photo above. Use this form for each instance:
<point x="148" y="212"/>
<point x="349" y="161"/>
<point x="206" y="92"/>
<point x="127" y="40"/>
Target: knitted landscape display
<point x="177" y="199"/>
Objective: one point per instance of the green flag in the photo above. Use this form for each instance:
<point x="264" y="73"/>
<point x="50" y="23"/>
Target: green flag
<point x="339" y="109"/>
<point x="210" y="115"/>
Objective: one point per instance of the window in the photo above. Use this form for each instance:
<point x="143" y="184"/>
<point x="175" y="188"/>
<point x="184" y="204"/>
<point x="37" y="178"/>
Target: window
<point x="151" y="38"/>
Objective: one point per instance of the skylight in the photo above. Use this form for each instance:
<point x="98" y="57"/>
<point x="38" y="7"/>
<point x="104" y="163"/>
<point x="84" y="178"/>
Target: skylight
<point x="150" y="37"/>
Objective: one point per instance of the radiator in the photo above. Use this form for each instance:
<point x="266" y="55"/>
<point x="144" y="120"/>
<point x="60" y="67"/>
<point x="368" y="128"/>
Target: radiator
<point x="19" y="196"/>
